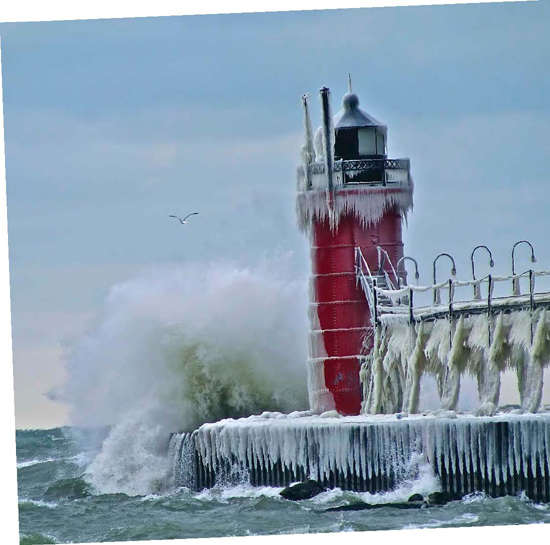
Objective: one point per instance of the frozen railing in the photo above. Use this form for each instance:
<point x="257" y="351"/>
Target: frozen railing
<point x="359" y="165"/>
<point x="365" y="278"/>
<point x="385" y="172"/>
<point x="382" y="280"/>
<point x="388" y="302"/>
<point x="383" y="258"/>
<point x="401" y="301"/>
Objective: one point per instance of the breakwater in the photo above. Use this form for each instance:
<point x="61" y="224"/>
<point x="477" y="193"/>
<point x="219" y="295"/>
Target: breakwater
<point x="501" y="455"/>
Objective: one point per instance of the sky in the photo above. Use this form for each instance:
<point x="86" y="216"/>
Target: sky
<point x="112" y="125"/>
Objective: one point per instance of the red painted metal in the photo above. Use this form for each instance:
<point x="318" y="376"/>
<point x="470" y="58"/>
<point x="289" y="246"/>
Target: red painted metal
<point x="340" y="303"/>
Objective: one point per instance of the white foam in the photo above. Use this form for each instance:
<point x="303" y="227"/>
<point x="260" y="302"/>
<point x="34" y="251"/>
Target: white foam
<point x="38" y="503"/>
<point x="179" y="346"/>
<point x="466" y="518"/>
<point x="30" y="463"/>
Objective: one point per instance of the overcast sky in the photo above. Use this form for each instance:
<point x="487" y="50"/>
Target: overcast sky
<point x="112" y="125"/>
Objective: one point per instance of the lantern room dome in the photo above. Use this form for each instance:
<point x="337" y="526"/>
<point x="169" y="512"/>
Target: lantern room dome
<point x="351" y="116"/>
<point x="357" y="134"/>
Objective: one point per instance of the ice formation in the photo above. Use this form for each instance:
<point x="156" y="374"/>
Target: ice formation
<point x="480" y="345"/>
<point x="371" y="453"/>
<point x="367" y="205"/>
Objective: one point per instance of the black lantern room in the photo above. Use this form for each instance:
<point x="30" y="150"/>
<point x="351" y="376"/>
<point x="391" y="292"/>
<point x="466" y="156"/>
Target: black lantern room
<point x="358" y="135"/>
<point x="360" y="143"/>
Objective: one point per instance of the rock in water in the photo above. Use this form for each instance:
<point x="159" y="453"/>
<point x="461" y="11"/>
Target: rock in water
<point x="302" y="491"/>
<point x="441" y="498"/>
<point x="362" y="506"/>
<point x="359" y="506"/>
<point x="416" y="498"/>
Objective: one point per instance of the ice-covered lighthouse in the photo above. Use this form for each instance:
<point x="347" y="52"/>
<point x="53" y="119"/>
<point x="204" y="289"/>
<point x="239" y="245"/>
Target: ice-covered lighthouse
<point x="351" y="203"/>
<point x="350" y="196"/>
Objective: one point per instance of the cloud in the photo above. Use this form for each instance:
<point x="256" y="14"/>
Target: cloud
<point x="113" y="125"/>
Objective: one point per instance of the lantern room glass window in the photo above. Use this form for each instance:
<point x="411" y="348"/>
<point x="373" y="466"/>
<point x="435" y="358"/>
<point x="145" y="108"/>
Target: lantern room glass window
<point x="367" y="141"/>
<point x="380" y="143"/>
<point x="371" y="141"/>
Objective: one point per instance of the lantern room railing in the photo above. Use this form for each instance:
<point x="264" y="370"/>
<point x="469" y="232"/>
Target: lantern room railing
<point x="352" y="166"/>
<point x="358" y="171"/>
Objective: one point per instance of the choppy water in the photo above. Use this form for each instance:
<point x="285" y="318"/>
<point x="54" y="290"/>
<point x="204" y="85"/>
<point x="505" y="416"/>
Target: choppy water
<point x="58" y="505"/>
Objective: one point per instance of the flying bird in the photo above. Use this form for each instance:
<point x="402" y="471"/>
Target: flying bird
<point x="183" y="221"/>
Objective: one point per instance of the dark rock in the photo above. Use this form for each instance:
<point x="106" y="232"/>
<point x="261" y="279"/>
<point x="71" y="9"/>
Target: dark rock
<point x="362" y="506"/>
<point x="359" y="506"/>
<point x="302" y="491"/>
<point x="416" y="501"/>
<point x="441" y="498"/>
<point x="416" y="498"/>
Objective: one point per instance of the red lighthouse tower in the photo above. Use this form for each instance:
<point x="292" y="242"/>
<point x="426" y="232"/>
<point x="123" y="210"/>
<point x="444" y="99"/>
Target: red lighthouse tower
<point x="350" y="195"/>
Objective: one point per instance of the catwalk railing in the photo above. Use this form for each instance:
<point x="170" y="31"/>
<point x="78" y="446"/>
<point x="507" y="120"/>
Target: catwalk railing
<point x="398" y="304"/>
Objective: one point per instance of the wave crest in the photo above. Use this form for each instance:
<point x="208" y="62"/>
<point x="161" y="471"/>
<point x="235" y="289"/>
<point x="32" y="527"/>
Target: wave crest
<point x="179" y="346"/>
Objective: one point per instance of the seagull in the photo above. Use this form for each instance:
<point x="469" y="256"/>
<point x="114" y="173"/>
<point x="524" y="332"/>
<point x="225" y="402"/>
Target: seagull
<point x="182" y="221"/>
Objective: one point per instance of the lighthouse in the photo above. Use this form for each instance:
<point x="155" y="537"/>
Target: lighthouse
<point x="351" y="197"/>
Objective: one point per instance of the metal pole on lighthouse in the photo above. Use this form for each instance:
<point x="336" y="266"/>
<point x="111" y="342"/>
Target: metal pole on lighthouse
<point x="350" y="195"/>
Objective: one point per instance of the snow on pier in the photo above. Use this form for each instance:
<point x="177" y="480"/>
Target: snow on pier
<point x="499" y="455"/>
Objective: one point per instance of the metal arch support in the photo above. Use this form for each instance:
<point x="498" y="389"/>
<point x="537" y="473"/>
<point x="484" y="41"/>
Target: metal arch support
<point x="453" y="273"/>
<point x="405" y="258"/>
<point x="515" y="281"/>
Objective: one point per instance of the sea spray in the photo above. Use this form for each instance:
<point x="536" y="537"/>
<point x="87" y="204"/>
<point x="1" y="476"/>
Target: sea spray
<point x="176" y="347"/>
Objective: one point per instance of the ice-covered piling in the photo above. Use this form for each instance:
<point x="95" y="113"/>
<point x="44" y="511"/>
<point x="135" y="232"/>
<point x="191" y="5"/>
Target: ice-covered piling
<point x="500" y="455"/>
<point x="482" y="345"/>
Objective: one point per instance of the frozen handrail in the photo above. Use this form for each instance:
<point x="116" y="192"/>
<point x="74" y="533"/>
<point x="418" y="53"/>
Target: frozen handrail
<point x="406" y="309"/>
<point x="399" y="302"/>
<point x="458" y="283"/>
<point x="368" y="288"/>
<point x="386" y="256"/>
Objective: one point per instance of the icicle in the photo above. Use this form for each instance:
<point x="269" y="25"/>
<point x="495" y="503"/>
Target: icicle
<point x="455" y="367"/>
<point x="400" y="344"/>
<point x="365" y="376"/>
<point x="415" y="365"/>
<point x="492" y="367"/>
<point x="437" y="351"/>
<point x="532" y="392"/>
<point x="367" y="205"/>
<point x="377" y="373"/>
<point x="391" y="387"/>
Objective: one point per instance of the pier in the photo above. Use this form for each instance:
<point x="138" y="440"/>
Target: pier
<point x="500" y="455"/>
